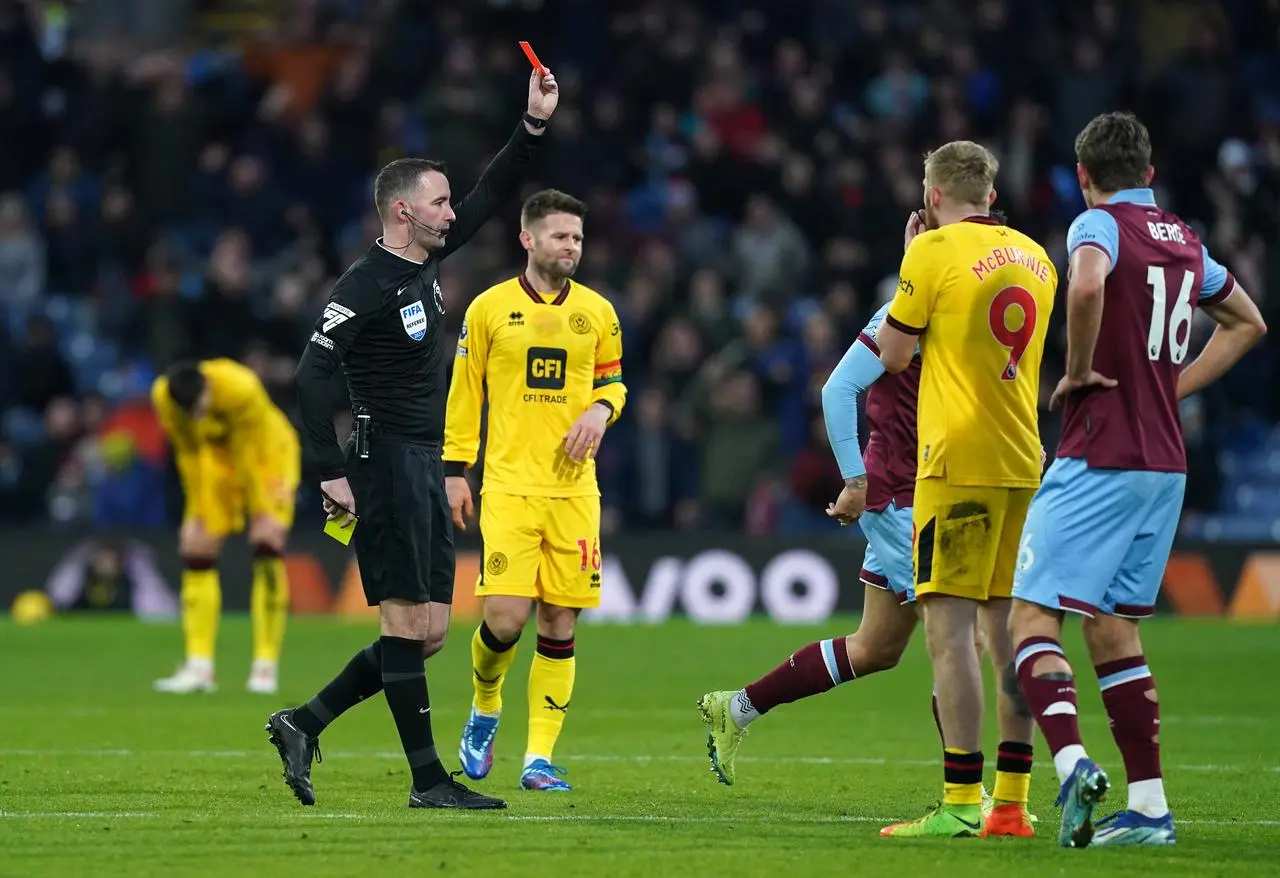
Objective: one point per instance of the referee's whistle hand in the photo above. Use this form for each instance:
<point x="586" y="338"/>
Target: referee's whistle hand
<point x="339" y="502"/>
<point x="458" y="490"/>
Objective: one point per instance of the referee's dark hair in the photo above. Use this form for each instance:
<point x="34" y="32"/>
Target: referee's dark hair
<point x="400" y="178"/>
<point x="186" y="383"/>
<point x="541" y="205"/>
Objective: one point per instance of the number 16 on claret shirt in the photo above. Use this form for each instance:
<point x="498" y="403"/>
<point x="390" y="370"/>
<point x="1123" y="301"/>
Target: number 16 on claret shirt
<point x="980" y="295"/>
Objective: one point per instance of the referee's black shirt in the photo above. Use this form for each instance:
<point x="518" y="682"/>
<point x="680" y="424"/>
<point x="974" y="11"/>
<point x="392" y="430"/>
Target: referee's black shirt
<point x="383" y="325"/>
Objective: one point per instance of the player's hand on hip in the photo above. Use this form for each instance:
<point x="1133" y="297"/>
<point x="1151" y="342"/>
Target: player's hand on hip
<point x="339" y="502"/>
<point x="458" y="490"/>
<point x="852" y="500"/>
<point x="544" y="94"/>
<point x="915" y="225"/>
<point x="1070" y="385"/>
<point x="584" y="437"/>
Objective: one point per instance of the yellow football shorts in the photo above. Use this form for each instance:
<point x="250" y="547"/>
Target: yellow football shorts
<point x="223" y="506"/>
<point x="544" y="548"/>
<point x="965" y="540"/>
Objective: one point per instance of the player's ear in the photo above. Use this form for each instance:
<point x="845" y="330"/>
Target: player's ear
<point x="991" y="199"/>
<point x="526" y="239"/>
<point x="1082" y="177"/>
<point x="1148" y="175"/>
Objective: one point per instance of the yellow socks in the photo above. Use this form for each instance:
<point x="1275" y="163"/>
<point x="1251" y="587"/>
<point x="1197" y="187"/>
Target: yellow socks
<point x="201" y="608"/>
<point x="490" y="661"/>
<point x="550" y="689"/>
<point x="962" y="772"/>
<point x="1013" y="773"/>
<point x="269" y="604"/>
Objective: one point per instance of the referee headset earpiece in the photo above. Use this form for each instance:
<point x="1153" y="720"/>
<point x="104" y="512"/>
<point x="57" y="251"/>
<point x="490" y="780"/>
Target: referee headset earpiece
<point x="418" y="224"/>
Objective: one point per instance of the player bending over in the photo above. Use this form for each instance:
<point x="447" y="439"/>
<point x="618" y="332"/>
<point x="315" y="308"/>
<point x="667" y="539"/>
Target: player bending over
<point x="1114" y="493"/>
<point x="236" y="453"/>
<point x="977" y="296"/>
<point x="550" y="352"/>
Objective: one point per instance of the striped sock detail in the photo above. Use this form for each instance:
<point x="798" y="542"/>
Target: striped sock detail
<point x="1121" y="671"/>
<point x="1034" y="646"/>
<point x="835" y="656"/>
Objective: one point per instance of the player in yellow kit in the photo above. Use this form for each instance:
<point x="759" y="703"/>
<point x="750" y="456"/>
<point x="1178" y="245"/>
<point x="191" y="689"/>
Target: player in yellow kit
<point x="550" y="352"/>
<point x="238" y="458"/>
<point x="976" y="295"/>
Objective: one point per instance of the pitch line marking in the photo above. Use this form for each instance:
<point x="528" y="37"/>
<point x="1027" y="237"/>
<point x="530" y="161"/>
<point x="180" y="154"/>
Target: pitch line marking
<point x="112" y="752"/>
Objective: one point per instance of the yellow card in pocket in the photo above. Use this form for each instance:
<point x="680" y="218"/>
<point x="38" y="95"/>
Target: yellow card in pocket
<point x="340" y="533"/>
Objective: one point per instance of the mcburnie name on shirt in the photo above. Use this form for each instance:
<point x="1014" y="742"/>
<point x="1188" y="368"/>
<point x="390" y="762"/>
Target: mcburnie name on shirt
<point x="1002" y="256"/>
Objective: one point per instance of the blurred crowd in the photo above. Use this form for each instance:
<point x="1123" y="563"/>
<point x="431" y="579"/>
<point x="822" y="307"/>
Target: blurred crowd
<point x="182" y="178"/>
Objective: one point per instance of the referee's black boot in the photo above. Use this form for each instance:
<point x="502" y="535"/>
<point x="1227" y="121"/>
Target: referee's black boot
<point x="296" y="750"/>
<point x="451" y="794"/>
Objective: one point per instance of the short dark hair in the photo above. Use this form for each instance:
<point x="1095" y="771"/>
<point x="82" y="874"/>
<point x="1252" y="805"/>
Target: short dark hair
<point x="1115" y="151"/>
<point x="186" y="383"/>
<point x="401" y="178"/>
<point x="541" y="205"/>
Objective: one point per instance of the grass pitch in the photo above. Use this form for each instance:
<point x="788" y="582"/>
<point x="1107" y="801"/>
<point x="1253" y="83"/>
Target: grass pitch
<point x="99" y="776"/>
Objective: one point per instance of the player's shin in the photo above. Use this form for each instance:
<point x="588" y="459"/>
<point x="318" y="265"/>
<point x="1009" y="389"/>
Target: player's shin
<point x="551" y="678"/>
<point x="1047" y="684"/>
<point x="360" y="679"/>
<point x="201" y="609"/>
<point x="269" y="604"/>
<point x="810" y="670"/>
<point x="1129" y="693"/>
<point x="1017" y="726"/>
<point x="404" y="683"/>
<point x="491" y="658"/>
<point x="950" y="624"/>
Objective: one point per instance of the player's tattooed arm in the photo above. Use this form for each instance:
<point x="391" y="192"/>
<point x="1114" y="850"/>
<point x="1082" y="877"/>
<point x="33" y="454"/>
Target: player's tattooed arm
<point x="852" y="500"/>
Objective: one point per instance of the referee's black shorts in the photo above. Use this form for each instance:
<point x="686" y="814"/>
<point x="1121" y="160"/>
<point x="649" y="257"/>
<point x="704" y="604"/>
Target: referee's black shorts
<point x="404" y="540"/>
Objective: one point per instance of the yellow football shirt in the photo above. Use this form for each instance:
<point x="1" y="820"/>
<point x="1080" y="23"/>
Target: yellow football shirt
<point x="544" y="359"/>
<point x="979" y="294"/>
<point x="243" y="428"/>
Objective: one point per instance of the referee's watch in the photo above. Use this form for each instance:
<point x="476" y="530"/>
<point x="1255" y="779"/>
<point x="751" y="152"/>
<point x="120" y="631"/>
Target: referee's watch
<point x="534" y="122"/>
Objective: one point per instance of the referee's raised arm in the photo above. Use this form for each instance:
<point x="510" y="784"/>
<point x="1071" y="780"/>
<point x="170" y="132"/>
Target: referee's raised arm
<point x="384" y="325"/>
<point x="502" y="177"/>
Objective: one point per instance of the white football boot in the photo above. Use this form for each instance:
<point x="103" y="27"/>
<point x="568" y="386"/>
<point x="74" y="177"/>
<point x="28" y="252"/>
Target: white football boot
<point x="194" y="676"/>
<point x="264" y="678"/>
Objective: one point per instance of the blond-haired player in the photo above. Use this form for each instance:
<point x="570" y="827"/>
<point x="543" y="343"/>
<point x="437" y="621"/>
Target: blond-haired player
<point x="976" y="296"/>
<point x="238" y="457"/>
<point x="549" y="351"/>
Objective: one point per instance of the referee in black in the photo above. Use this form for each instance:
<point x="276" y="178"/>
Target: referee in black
<point x="383" y="325"/>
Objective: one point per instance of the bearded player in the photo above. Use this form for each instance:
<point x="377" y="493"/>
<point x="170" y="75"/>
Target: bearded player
<point x="976" y="296"/>
<point x="238" y="458"/>
<point x="1114" y="493"/>
<point x="549" y="351"/>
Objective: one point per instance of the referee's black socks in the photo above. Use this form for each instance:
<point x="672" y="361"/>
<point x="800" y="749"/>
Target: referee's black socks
<point x="360" y="679"/>
<point x="404" y="682"/>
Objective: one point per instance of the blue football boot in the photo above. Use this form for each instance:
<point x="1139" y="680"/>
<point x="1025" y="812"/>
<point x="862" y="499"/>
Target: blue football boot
<point x="475" y="751"/>
<point x="542" y="775"/>
<point x="1083" y="789"/>
<point x="1133" y="828"/>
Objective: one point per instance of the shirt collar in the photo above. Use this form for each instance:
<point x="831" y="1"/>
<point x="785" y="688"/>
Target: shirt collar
<point x="1133" y="196"/>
